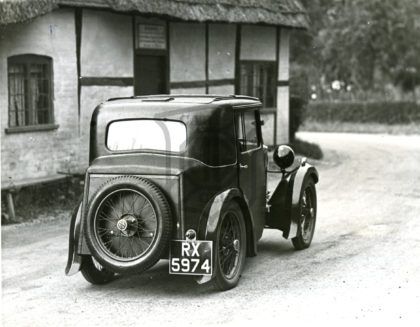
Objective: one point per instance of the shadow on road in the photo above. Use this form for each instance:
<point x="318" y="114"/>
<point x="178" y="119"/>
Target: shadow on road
<point x="158" y="281"/>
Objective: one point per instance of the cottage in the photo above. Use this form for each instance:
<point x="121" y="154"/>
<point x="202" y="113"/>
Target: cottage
<point x="60" y="58"/>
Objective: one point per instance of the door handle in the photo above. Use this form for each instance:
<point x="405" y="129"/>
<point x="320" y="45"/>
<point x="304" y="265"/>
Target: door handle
<point x="243" y="166"/>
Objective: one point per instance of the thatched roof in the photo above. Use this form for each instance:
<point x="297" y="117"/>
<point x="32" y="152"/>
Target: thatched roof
<point x="274" y="12"/>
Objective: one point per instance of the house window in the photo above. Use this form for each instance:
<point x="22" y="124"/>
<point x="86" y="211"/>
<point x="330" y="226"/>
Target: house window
<point x="258" y="79"/>
<point x="30" y="90"/>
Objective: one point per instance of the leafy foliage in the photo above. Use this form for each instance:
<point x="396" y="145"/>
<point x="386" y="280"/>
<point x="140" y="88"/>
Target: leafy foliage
<point x="363" y="43"/>
<point x="364" y="112"/>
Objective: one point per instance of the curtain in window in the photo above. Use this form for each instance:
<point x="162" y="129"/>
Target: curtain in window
<point x="35" y="81"/>
<point x="17" y="114"/>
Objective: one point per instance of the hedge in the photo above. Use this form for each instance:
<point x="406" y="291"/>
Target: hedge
<point x="364" y="112"/>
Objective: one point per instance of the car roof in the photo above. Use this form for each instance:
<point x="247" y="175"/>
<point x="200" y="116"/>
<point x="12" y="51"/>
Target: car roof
<point x="236" y="101"/>
<point x="209" y="120"/>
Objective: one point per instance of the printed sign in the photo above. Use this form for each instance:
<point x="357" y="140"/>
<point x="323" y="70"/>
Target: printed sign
<point x="151" y="36"/>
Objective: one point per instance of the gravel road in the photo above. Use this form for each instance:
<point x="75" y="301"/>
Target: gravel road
<point x="363" y="265"/>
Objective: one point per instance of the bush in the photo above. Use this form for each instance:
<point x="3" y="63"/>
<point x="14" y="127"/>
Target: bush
<point x="297" y="110"/>
<point x="307" y="149"/>
<point x="364" y="112"/>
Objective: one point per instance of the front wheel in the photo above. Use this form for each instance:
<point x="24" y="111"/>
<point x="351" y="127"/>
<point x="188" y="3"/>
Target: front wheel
<point x="230" y="248"/>
<point x="94" y="272"/>
<point x="307" y="216"/>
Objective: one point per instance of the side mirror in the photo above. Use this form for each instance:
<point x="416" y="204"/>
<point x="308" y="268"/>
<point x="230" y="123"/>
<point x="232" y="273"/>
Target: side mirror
<point x="283" y="156"/>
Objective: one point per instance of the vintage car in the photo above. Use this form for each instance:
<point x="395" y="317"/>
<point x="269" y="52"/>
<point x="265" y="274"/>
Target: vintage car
<point x="184" y="178"/>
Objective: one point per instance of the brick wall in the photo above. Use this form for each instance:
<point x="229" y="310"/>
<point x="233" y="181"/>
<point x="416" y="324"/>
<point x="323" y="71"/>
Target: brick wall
<point x="42" y="153"/>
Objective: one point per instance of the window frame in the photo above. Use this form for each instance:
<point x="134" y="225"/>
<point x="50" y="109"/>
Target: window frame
<point x="27" y="60"/>
<point x="250" y="64"/>
<point x="147" y="150"/>
<point x="243" y="148"/>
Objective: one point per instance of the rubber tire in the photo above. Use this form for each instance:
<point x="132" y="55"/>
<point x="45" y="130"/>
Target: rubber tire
<point x="298" y="242"/>
<point x="93" y="275"/>
<point x="164" y="222"/>
<point x="220" y="281"/>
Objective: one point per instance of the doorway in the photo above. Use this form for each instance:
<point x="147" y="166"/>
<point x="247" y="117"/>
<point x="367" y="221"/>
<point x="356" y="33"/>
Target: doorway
<point x="150" y="74"/>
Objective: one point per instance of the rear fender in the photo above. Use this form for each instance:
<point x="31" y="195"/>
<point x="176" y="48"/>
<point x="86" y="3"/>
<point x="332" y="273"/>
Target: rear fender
<point x="211" y="218"/>
<point x="74" y="260"/>
<point x="284" y="203"/>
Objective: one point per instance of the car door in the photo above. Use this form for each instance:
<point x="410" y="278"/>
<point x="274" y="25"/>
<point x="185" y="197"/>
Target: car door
<point x="251" y="165"/>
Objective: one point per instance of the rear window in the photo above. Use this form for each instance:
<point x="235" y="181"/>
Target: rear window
<point x="147" y="134"/>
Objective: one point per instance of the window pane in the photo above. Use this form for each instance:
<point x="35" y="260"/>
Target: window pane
<point x="258" y="80"/>
<point x="147" y="134"/>
<point x="16" y="74"/>
<point x="251" y="130"/>
<point x="239" y="132"/>
<point x="29" y="90"/>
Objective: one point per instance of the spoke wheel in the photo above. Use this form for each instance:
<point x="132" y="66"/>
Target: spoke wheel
<point x="128" y="224"/>
<point x="307" y="218"/>
<point x="230" y="248"/>
<point x="125" y="224"/>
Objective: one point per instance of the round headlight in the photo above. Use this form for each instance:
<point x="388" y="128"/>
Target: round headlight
<point x="283" y="156"/>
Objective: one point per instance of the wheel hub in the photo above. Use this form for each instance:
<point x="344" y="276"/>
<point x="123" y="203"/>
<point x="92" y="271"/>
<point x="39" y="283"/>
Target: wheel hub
<point x="122" y="225"/>
<point x="127" y="225"/>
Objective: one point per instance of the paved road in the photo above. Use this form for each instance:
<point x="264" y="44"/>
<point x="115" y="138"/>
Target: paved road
<point x="363" y="265"/>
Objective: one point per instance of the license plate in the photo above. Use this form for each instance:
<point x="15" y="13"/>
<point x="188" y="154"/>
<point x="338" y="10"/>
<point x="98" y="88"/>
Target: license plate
<point x="191" y="257"/>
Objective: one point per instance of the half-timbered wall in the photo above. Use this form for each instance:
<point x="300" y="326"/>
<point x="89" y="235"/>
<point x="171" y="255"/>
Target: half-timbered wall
<point x="93" y="57"/>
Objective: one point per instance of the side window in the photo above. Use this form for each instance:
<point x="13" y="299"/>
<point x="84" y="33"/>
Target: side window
<point x="246" y="131"/>
<point x="239" y="122"/>
<point x="250" y="125"/>
<point x="30" y="90"/>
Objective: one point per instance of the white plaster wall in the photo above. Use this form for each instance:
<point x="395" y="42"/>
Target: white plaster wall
<point x="91" y="97"/>
<point x="268" y="128"/>
<point x="222" y="90"/>
<point x="107" y="44"/>
<point x="222" y="51"/>
<point x="283" y="91"/>
<point x="283" y="74"/>
<point x="258" y="43"/>
<point x="187" y="52"/>
<point x="42" y="153"/>
<point x="190" y="90"/>
<point x="282" y="115"/>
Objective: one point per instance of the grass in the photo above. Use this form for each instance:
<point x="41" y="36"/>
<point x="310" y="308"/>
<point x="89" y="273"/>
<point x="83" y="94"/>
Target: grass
<point x="349" y="127"/>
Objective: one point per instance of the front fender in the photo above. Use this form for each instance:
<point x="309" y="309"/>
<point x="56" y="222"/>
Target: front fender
<point x="74" y="260"/>
<point x="298" y="179"/>
<point x="212" y="216"/>
<point x="284" y="203"/>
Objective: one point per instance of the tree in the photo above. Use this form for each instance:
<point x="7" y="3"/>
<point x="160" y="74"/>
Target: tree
<point x="363" y="43"/>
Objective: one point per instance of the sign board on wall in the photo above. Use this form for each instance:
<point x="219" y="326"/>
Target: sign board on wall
<point x="151" y="36"/>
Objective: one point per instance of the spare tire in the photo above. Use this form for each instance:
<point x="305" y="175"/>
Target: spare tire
<point x="128" y="224"/>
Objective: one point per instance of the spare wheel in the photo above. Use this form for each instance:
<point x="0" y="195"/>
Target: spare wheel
<point x="128" y="224"/>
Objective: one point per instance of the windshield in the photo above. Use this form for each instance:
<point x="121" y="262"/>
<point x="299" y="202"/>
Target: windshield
<point x="147" y="134"/>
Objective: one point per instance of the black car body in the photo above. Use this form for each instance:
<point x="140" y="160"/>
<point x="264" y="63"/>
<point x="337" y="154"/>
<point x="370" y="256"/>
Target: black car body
<point x="207" y="187"/>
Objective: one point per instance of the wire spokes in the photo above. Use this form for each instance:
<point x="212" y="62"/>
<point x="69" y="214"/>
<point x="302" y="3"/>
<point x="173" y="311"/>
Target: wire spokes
<point x="229" y="244"/>
<point x="125" y="224"/>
